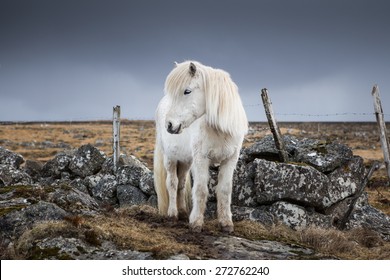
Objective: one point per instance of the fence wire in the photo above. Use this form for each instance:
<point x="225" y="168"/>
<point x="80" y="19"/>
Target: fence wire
<point x="319" y="115"/>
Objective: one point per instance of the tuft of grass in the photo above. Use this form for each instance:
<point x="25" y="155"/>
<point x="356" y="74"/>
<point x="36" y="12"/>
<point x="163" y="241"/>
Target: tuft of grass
<point x="256" y="231"/>
<point x="328" y="241"/>
<point x="75" y="220"/>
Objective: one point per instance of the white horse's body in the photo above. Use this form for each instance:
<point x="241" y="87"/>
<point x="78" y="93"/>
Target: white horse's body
<point x="200" y="121"/>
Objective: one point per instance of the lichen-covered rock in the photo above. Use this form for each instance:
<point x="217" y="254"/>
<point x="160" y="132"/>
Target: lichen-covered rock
<point x="79" y="184"/>
<point x="345" y="180"/>
<point x="10" y="175"/>
<point x="323" y="156"/>
<point x="33" y="168"/>
<point x="259" y="214"/>
<point x="10" y="158"/>
<point x="132" y="172"/>
<point x="105" y="190"/>
<point x="146" y="184"/>
<point x="287" y="182"/>
<point x="298" y="217"/>
<point x="265" y="148"/>
<point x="244" y="190"/>
<point x="86" y="161"/>
<point x="16" y="222"/>
<point x="129" y="195"/>
<point x="232" y="247"/>
<point x="60" y="248"/>
<point x="74" y="201"/>
<point x="59" y="164"/>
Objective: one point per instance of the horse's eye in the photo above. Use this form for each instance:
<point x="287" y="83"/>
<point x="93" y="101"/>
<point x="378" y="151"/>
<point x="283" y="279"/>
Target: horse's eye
<point x="187" y="91"/>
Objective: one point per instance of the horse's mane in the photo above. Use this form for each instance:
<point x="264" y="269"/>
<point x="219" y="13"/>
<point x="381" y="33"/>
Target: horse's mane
<point x="224" y="110"/>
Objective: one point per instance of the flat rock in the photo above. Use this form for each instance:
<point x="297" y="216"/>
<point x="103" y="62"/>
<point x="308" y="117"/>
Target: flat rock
<point x="236" y="248"/>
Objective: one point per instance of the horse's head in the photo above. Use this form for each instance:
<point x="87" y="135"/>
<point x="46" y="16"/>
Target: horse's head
<point x="184" y="86"/>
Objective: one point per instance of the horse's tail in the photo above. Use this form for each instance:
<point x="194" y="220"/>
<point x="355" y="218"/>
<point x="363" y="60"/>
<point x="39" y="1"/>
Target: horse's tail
<point x="160" y="176"/>
<point x="188" y="192"/>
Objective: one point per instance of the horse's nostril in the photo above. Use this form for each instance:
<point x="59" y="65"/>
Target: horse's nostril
<point x="169" y="125"/>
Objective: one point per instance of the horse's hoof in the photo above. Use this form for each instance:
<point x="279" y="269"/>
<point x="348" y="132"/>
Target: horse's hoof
<point x="195" y="229"/>
<point x="227" y="228"/>
<point x="173" y="219"/>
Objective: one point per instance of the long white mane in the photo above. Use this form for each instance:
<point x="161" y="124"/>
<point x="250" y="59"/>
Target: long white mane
<point x="224" y="110"/>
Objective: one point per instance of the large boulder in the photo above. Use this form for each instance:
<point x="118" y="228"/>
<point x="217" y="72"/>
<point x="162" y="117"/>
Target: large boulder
<point x="10" y="175"/>
<point x="86" y="161"/>
<point x="300" y="184"/>
<point x="104" y="189"/>
<point x="132" y="172"/>
<point x="74" y="201"/>
<point x="58" y="165"/>
<point x="10" y="158"/>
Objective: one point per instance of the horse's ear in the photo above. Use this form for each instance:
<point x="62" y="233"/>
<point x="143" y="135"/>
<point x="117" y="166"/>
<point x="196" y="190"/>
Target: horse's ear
<point x="175" y="63"/>
<point x="192" y="69"/>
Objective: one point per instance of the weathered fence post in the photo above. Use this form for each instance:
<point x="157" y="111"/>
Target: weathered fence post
<point x="116" y="134"/>
<point x="382" y="127"/>
<point x="273" y="125"/>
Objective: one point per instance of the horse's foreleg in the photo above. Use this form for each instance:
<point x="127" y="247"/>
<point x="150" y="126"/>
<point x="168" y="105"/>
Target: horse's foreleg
<point x="171" y="183"/>
<point x="200" y="172"/>
<point x="182" y="203"/>
<point x="224" y="194"/>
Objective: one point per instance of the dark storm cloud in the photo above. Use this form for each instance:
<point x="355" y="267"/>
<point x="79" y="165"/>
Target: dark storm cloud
<point x="76" y="59"/>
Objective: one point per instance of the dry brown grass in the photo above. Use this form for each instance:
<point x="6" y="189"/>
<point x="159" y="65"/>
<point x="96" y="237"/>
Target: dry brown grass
<point x="137" y="137"/>
<point x="354" y="244"/>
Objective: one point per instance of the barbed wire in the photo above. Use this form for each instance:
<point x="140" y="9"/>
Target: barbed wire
<point x="320" y="115"/>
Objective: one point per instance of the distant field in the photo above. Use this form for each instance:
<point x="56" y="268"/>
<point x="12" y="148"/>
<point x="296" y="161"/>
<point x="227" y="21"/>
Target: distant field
<point x="41" y="141"/>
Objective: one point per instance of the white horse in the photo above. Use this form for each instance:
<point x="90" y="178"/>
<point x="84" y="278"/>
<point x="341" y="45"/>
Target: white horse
<point x="200" y="121"/>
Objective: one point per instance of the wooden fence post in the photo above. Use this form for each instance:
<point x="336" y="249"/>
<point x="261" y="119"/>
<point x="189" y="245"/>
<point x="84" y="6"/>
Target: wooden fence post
<point x="116" y="134"/>
<point x="382" y="127"/>
<point x="279" y="143"/>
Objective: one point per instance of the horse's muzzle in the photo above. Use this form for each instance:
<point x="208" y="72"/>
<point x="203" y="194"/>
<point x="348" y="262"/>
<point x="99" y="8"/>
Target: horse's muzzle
<point x="173" y="130"/>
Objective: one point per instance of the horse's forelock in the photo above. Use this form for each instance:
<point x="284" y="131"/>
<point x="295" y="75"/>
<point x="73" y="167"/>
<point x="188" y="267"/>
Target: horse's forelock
<point x="179" y="78"/>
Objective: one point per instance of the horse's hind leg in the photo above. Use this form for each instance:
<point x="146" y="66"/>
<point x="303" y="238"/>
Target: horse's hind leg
<point x="182" y="203"/>
<point x="171" y="183"/>
<point x="224" y="195"/>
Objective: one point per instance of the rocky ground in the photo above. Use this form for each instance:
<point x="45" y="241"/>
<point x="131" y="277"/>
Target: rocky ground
<point x="75" y="205"/>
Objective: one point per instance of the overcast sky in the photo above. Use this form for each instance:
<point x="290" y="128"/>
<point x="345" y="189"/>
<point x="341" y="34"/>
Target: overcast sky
<point x="76" y="59"/>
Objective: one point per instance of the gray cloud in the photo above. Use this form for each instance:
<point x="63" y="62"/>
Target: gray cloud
<point x="74" y="60"/>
